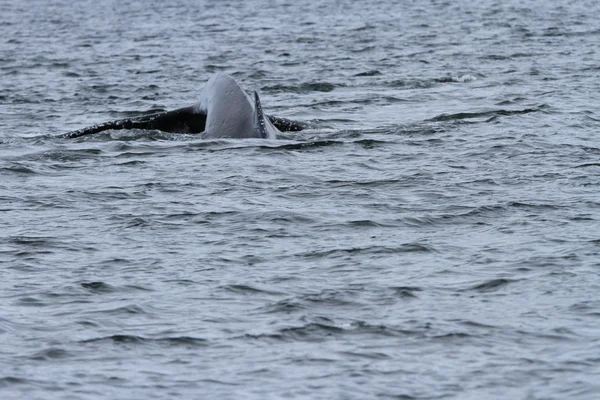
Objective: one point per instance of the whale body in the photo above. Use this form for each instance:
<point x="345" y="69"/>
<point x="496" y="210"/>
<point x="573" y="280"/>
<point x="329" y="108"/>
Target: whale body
<point x="224" y="110"/>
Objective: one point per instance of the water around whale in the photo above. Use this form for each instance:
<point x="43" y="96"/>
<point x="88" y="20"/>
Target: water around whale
<point x="432" y="234"/>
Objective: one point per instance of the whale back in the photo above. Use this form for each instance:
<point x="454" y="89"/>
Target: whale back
<point x="230" y="112"/>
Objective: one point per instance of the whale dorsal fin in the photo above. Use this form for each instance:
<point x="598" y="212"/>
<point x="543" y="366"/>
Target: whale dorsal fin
<point x="260" y="123"/>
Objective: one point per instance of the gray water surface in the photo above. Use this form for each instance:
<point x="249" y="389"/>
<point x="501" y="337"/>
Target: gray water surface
<point x="433" y="234"/>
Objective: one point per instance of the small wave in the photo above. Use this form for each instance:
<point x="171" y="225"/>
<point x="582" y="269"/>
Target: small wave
<point x="138" y="135"/>
<point x="406" y="291"/>
<point x="368" y="73"/>
<point x="541" y="206"/>
<point x="588" y="307"/>
<point x="363" y="49"/>
<point x="135" y="222"/>
<point x="367" y="355"/>
<point x="451" y="337"/>
<point x="370" y="183"/>
<point x="366" y="223"/>
<point x="428" y="83"/>
<point x="135" y="339"/>
<point x="456" y="79"/>
<point x="370" y="143"/>
<point x="494" y="57"/>
<point x="125" y="310"/>
<point x="491" y="285"/>
<point x="365" y="27"/>
<point x="474" y="324"/>
<point x="33" y="241"/>
<point x="98" y="287"/>
<point x="326" y="330"/>
<point x="7" y="381"/>
<point x="555" y="335"/>
<point x="286" y="306"/>
<point x="64" y="155"/>
<point x="328" y="298"/>
<point x="482" y="114"/>
<point x="587" y="165"/>
<point x="404" y="248"/>
<point x="132" y="163"/>
<point x="50" y="354"/>
<point x="247" y="290"/>
<point x="17" y="169"/>
<point x="305" y="145"/>
<point x="102" y="287"/>
<point x="303" y="87"/>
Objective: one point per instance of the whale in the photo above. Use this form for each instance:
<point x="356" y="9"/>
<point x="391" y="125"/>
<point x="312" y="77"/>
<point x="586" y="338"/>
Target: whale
<point x="224" y="110"/>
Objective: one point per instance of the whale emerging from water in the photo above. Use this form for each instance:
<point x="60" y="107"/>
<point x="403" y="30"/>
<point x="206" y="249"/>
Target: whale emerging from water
<point x="224" y="111"/>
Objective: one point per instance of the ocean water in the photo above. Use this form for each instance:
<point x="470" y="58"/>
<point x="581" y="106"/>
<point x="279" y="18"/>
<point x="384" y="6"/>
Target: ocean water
<point x="433" y="234"/>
